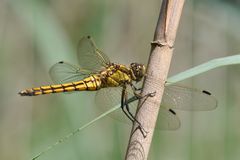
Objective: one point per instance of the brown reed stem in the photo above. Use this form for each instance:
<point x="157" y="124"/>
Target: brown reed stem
<point x="157" y="70"/>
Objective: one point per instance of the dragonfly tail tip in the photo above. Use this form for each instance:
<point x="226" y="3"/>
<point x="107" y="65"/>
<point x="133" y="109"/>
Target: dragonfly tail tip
<point x="25" y="93"/>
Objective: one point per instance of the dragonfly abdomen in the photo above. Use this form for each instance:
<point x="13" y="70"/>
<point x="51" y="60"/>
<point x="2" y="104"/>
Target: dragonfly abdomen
<point x="91" y="83"/>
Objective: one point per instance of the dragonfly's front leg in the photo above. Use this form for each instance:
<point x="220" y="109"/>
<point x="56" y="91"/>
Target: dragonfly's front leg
<point x="135" y="91"/>
<point x="138" y="95"/>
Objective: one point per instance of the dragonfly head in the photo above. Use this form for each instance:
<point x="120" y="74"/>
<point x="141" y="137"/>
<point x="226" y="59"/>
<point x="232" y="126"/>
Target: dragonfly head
<point x="138" y="70"/>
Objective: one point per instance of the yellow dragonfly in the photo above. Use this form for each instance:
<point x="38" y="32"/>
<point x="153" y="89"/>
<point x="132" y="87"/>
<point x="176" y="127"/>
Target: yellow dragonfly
<point x="115" y="82"/>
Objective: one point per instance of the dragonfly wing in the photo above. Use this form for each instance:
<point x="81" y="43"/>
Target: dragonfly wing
<point x="90" y="57"/>
<point x="64" y="72"/>
<point x="184" y="98"/>
<point x="108" y="98"/>
<point x="167" y="119"/>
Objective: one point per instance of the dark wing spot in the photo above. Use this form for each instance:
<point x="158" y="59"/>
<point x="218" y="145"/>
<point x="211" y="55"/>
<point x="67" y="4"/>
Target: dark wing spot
<point x="61" y="62"/>
<point x="172" y="111"/>
<point x="206" y="92"/>
<point x="89" y="37"/>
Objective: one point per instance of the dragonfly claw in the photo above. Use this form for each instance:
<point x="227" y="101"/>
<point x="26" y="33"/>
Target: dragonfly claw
<point x="152" y="94"/>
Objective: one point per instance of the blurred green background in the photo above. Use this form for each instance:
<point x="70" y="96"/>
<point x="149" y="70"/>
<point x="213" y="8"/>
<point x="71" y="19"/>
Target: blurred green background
<point x="36" y="34"/>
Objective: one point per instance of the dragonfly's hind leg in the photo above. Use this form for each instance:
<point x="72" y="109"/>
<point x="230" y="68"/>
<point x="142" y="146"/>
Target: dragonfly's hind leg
<point x="124" y="103"/>
<point x="144" y="132"/>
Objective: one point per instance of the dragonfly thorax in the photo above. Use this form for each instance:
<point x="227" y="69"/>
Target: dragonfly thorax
<point x="138" y="71"/>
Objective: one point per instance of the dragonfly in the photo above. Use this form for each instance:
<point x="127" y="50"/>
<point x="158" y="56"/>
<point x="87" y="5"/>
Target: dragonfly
<point x="115" y="83"/>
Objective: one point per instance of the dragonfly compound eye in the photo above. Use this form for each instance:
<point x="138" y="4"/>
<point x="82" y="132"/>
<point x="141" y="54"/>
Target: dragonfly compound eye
<point x="138" y="71"/>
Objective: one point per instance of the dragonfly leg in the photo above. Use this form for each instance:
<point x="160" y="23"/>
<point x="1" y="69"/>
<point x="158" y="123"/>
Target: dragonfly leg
<point x="144" y="132"/>
<point x="129" y="113"/>
<point x="138" y="95"/>
<point x="135" y="88"/>
<point x="123" y="103"/>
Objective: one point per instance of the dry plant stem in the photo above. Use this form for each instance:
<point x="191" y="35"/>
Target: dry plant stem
<point x="158" y="66"/>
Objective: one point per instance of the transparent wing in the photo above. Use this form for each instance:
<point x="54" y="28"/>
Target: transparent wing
<point x="107" y="98"/>
<point x="89" y="57"/>
<point x="167" y="119"/>
<point x="64" y="72"/>
<point x="184" y="98"/>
